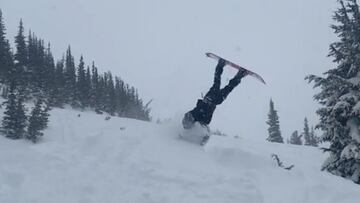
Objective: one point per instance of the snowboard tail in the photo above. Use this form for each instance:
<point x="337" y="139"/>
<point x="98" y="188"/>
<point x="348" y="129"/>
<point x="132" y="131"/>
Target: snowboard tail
<point x="227" y="62"/>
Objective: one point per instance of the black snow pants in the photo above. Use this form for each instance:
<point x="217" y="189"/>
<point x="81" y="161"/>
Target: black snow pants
<point x="205" y="107"/>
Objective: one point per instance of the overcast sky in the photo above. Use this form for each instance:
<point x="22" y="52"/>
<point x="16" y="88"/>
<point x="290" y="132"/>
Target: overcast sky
<point x="158" y="46"/>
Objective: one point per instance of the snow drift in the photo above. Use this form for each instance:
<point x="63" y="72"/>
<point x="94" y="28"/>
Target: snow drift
<point x="85" y="158"/>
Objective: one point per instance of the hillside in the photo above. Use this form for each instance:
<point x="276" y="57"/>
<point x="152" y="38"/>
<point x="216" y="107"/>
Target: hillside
<point x="89" y="159"/>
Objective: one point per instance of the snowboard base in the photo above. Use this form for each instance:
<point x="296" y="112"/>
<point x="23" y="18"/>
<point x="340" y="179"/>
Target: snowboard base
<point x="249" y="72"/>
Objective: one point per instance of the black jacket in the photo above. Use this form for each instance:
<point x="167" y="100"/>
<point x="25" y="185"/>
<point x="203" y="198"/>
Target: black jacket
<point x="203" y="112"/>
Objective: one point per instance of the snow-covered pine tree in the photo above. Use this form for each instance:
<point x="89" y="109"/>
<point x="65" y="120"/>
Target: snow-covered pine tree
<point x="17" y="74"/>
<point x="6" y="58"/>
<point x="313" y="138"/>
<point x="9" y="119"/>
<point x="70" y="79"/>
<point x="49" y="80"/>
<point x="295" y="138"/>
<point x="81" y="88"/>
<point x="120" y="96"/>
<point x="95" y="92"/>
<point x="306" y="133"/>
<point x="109" y="96"/>
<point x="274" y="125"/>
<point x="340" y="95"/>
<point x="14" y="120"/>
<point x="87" y="87"/>
<point x="21" y="55"/>
<point x="57" y="95"/>
<point x="38" y="121"/>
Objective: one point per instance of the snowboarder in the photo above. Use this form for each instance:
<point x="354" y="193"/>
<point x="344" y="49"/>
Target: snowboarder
<point x="205" y="107"/>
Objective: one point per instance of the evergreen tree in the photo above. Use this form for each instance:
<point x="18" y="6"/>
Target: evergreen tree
<point x="33" y="132"/>
<point x="109" y="96"/>
<point x="295" y="138"/>
<point x="37" y="121"/>
<point x="340" y="95"/>
<point x="95" y="93"/>
<point x="120" y="94"/>
<point x="81" y="85"/>
<point x="33" y="73"/>
<point x="313" y="138"/>
<point x="14" y="120"/>
<point x="9" y="119"/>
<point x="17" y="73"/>
<point x="49" y="74"/>
<point x="274" y="125"/>
<point x="43" y="70"/>
<point x="306" y="133"/>
<point x="38" y="69"/>
<point x="100" y="94"/>
<point x="70" y="79"/>
<point x="21" y="49"/>
<point x="57" y="98"/>
<point x="6" y="59"/>
<point x="87" y="89"/>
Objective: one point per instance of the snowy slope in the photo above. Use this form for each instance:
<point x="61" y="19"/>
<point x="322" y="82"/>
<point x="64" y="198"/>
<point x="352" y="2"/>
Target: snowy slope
<point x="88" y="159"/>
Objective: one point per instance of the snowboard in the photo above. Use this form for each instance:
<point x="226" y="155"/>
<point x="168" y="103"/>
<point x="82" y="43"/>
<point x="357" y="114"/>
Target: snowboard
<point x="227" y="62"/>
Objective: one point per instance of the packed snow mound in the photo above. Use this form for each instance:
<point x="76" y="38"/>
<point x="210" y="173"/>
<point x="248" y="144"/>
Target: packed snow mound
<point x="85" y="157"/>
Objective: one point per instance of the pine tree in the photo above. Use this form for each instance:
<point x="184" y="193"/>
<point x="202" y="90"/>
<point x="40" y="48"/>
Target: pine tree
<point x="81" y="86"/>
<point x="340" y="95"/>
<point x="70" y="78"/>
<point x="6" y="58"/>
<point x="50" y="74"/>
<point x="109" y="96"/>
<point x="33" y="132"/>
<point x="43" y="70"/>
<point x="37" y="121"/>
<point x="306" y="133"/>
<point x="18" y="71"/>
<point x="57" y="98"/>
<point x="9" y="119"/>
<point x="87" y="89"/>
<point x="120" y="94"/>
<point x="295" y="138"/>
<point x="313" y="138"/>
<point x="100" y="94"/>
<point x="274" y="126"/>
<point x="95" y="93"/>
<point x="37" y="72"/>
<point x="14" y="120"/>
<point x="21" y="49"/>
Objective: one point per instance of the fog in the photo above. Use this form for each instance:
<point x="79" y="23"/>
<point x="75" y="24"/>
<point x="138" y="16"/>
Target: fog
<point x="159" y="47"/>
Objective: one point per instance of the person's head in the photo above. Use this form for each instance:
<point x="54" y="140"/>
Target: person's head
<point x="188" y="121"/>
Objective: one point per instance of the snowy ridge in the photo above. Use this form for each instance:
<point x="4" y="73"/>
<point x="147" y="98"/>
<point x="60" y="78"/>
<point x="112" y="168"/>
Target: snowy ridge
<point x="88" y="159"/>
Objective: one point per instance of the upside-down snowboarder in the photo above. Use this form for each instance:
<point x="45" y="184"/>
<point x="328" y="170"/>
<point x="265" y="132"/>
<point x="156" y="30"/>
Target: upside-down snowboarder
<point x="205" y="107"/>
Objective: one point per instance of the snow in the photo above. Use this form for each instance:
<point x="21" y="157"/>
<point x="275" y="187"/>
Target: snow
<point x="355" y="80"/>
<point x="90" y="159"/>
<point x="353" y="125"/>
<point x="350" y="151"/>
<point x="356" y="108"/>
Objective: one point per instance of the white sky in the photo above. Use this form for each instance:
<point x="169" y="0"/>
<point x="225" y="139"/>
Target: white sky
<point x="158" y="46"/>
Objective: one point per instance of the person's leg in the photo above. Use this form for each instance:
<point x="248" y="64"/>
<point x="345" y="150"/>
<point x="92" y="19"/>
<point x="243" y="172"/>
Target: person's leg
<point x="217" y="77"/>
<point x="232" y="83"/>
